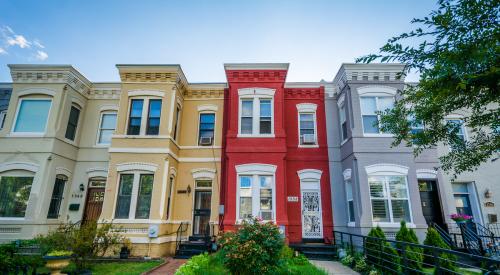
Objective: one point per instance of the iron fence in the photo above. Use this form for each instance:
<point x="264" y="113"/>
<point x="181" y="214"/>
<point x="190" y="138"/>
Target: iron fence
<point x="395" y="257"/>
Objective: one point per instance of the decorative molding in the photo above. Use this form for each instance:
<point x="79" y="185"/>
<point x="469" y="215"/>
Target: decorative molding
<point x="104" y="93"/>
<point x="256" y="92"/>
<point x="306" y="174"/>
<point x="97" y="172"/>
<point x="304" y="93"/>
<point x="34" y="91"/>
<point x="341" y="100"/>
<point x="157" y="93"/>
<point x="136" y="166"/>
<point x="386" y="169"/>
<point x="377" y="90"/>
<point x="199" y="159"/>
<point x="426" y="174"/>
<point x="78" y="102"/>
<point x="201" y="173"/>
<point x="307" y="107"/>
<point x="108" y="107"/>
<point x="260" y="76"/>
<point x="208" y="107"/>
<point x="63" y="171"/>
<point x="173" y="172"/>
<point x="347" y="174"/>
<point x="204" y="94"/>
<point x="255" y="168"/>
<point x="19" y="166"/>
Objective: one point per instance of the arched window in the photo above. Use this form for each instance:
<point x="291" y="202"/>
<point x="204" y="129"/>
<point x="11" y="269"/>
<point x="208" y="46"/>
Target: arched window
<point x="16" y="180"/>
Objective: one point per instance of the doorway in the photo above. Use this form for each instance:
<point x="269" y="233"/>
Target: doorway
<point x="201" y="213"/>
<point x="94" y="201"/>
<point x="312" y="224"/>
<point x="431" y="206"/>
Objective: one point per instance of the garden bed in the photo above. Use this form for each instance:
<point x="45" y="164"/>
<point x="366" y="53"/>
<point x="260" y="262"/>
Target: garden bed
<point x="111" y="268"/>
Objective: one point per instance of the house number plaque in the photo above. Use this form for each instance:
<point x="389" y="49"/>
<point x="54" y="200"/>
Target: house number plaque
<point x="293" y="199"/>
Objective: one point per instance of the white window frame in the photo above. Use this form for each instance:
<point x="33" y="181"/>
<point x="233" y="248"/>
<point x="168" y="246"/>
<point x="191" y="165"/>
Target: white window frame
<point x="347" y="178"/>
<point x="3" y="115"/>
<point x="462" y="125"/>
<point x="254" y="171"/>
<point x="255" y="94"/>
<point x="108" y="112"/>
<point x="342" y="107"/>
<point x="380" y="133"/>
<point x="307" y="108"/>
<point x="14" y="124"/>
<point x="375" y="91"/>
<point x="387" y="169"/>
<point x="199" y="125"/>
<point x="474" y="200"/>
<point x="144" y="114"/>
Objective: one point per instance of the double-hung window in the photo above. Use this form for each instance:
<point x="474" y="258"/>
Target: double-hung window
<point x="106" y="128"/>
<point x="32" y="116"/>
<point x="135" y="117"/>
<point x="370" y="105"/>
<point x="350" y="200"/>
<point x="206" y="129"/>
<point x="14" y="195"/>
<point x="460" y="132"/>
<point x="256" y="195"/>
<point x="343" y="121"/>
<point x="389" y="199"/>
<point x="256" y="115"/>
<point x="153" y="124"/>
<point x="134" y="196"/>
<point x="72" y="126"/>
<point x="307" y="128"/>
<point x="57" y="197"/>
<point x="145" y="112"/>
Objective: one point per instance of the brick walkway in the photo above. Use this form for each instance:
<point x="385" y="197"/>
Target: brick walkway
<point x="169" y="268"/>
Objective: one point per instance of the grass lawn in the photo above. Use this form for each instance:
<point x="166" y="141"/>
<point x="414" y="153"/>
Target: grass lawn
<point x="465" y="271"/>
<point x="125" y="268"/>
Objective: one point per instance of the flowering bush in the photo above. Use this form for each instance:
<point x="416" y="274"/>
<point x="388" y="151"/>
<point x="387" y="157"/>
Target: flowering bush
<point x="253" y="249"/>
<point x="460" y="217"/>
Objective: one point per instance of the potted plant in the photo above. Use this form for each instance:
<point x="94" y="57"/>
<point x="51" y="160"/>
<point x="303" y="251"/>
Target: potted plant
<point x="57" y="260"/>
<point x="125" y="250"/>
<point x="460" y="218"/>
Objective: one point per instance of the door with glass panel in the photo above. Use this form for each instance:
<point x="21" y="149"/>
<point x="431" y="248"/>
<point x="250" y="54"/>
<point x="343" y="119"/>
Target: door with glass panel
<point x="312" y="224"/>
<point x="201" y="215"/>
<point x="95" y="199"/>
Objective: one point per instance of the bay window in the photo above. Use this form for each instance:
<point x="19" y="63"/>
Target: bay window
<point x="135" y="117"/>
<point x="134" y="195"/>
<point x="153" y="123"/>
<point x="256" y="115"/>
<point x="144" y="196"/>
<point x="14" y="195"/>
<point x="256" y="197"/>
<point x="57" y="197"/>
<point x="389" y="198"/>
<point x="147" y="112"/>
<point x="370" y="106"/>
<point x="32" y="116"/>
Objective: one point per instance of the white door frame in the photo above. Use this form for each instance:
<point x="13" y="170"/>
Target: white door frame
<point x="310" y="180"/>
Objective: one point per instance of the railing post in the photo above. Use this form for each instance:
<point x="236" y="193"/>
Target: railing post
<point x="380" y="250"/>
<point x="405" y="258"/>
<point x="364" y="246"/>
<point x="437" y="263"/>
<point x="342" y="239"/>
<point x="352" y="246"/>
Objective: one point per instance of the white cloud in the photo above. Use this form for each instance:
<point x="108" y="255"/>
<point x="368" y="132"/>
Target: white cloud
<point x="19" y="40"/>
<point x="2" y="51"/>
<point x="37" y="43"/>
<point x="41" y="55"/>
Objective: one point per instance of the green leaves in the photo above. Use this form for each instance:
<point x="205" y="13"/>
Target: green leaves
<point x="457" y="56"/>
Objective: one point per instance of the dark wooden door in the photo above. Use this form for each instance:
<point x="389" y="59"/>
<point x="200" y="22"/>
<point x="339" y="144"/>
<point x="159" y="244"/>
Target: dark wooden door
<point x="429" y="197"/>
<point x="93" y="205"/>
<point x="201" y="217"/>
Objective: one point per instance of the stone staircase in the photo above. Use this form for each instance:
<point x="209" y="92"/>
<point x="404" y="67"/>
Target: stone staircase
<point x="194" y="246"/>
<point x="315" y="249"/>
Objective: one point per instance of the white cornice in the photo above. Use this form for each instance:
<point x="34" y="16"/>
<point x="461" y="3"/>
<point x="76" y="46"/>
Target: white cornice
<point x="313" y="174"/>
<point x="200" y="173"/>
<point x="141" y="166"/>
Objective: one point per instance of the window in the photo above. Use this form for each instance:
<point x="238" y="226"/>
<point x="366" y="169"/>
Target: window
<point x="74" y="115"/>
<point x="247" y="116"/>
<point x="256" y="197"/>
<point x="177" y="119"/>
<point x="370" y="105"/>
<point x="3" y="114"/>
<point x="307" y="131"/>
<point x="460" y="132"/>
<point x="170" y="189"/>
<point x="57" y="197"/>
<point x="128" y="205"/>
<point x="153" y="125"/>
<point x="265" y="116"/>
<point x="14" y="195"/>
<point x="206" y="130"/>
<point x="106" y="128"/>
<point x="144" y="197"/>
<point x="350" y="200"/>
<point x="32" y="115"/>
<point x="417" y="126"/>
<point x="343" y="121"/>
<point x="135" y="117"/>
<point x="389" y="198"/>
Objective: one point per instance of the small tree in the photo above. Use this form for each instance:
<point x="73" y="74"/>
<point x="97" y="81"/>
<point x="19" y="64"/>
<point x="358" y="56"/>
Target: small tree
<point x="380" y="253"/>
<point x="446" y="260"/>
<point x="413" y="253"/>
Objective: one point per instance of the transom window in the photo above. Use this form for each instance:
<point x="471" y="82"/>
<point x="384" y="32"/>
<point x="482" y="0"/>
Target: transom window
<point x="106" y="128"/>
<point x="14" y="194"/>
<point x="389" y="198"/>
<point x="149" y="116"/>
<point x="206" y="129"/>
<point x="256" y="112"/>
<point x="370" y="105"/>
<point x="74" y="115"/>
<point x="256" y="193"/>
<point x="32" y="116"/>
<point x="134" y="196"/>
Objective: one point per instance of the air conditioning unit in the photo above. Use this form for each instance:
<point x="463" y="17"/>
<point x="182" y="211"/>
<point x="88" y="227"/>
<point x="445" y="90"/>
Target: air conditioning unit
<point x="308" y="139"/>
<point x="205" y="140"/>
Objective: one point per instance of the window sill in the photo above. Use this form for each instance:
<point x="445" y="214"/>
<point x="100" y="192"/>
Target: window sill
<point x="392" y="224"/>
<point x="139" y="136"/>
<point x="11" y="219"/>
<point x="351" y="224"/>
<point x="378" y="135"/>
<point x="103" y="145"/>
<point x="255" y="136"/>
<point x="308" y="146"/>
<point x="26" y="134"/>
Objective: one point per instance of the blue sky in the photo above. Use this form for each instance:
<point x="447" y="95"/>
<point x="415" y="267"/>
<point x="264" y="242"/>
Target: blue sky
<point x="314" y="36"/>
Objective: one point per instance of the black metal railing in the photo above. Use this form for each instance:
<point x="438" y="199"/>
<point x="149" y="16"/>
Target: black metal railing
<point x="181" y="230"/>
<point x="394" y="257"/>
<point x="474" y="238"/>
<point x="494" y="228"/>
<point x="444" y="235"/>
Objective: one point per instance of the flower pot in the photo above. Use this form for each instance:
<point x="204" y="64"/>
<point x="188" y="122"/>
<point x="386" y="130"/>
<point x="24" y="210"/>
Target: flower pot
<point x="56" y="263"/>
<point x="124" y="253"/>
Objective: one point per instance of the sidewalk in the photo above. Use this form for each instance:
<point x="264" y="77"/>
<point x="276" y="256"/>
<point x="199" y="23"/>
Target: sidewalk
<point x="333" y="267"/>
<point x="168" y="268"/>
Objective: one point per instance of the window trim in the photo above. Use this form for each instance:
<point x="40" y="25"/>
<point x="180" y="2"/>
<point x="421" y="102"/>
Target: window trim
<point x="376" y="96"/>
<point x="77" y="128"/>
<point x="99" y="128"/>
<point x="3" y="116"/>
<point x="18" y="170"/>
<point x="462" y="125"/>
<point x="149" y="117"/>
<point x="256" y="94"/>
<point x="199" y="127"/>
<point x="134" y="195"/>
<point x="307" y="108"/>
<point x="144" y="114"/>
<point x="18" y="107"/>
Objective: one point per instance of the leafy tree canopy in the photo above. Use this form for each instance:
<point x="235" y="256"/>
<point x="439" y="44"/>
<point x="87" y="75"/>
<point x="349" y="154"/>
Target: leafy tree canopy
<point x="456" y="51"/>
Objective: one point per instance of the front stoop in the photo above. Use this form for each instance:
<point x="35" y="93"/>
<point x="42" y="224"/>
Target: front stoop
<point x="193" y="247"/>
<point x="316" y="251"/>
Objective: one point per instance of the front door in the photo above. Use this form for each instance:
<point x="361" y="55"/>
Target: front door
<point x="312" y="224"/>
<point x="93" y="205"/>
<point x="201" y="215"/>
<point x="429" y="197"/>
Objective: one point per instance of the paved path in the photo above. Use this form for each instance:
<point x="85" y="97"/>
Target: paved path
<point x="333" y="267"/>
<point x="168" y="268"/>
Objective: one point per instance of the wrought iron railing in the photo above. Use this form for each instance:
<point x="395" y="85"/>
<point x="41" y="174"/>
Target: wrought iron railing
<point x="179" y="234"/>
<point x="394" y="257"/>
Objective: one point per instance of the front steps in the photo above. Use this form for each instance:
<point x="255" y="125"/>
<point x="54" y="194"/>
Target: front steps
<point x="194" y="246"/>
<point x="315" y="250"/>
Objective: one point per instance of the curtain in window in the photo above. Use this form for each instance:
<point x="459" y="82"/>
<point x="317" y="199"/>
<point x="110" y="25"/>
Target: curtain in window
<point x="32" y="116"/>
<point x="14" y="195"/>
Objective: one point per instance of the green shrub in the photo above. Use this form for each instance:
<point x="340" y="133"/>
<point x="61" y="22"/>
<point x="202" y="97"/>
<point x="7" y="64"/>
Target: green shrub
<point x="202" y="264"/>
<point x="255" y="248"/>
<point x="446" y="260"/>
<point x="9" y="260"/>
<point x="348" y="260"/>
<point x="413" y="253"/>
<point x="360" y="265"/>
<point x="380" y="253"/>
